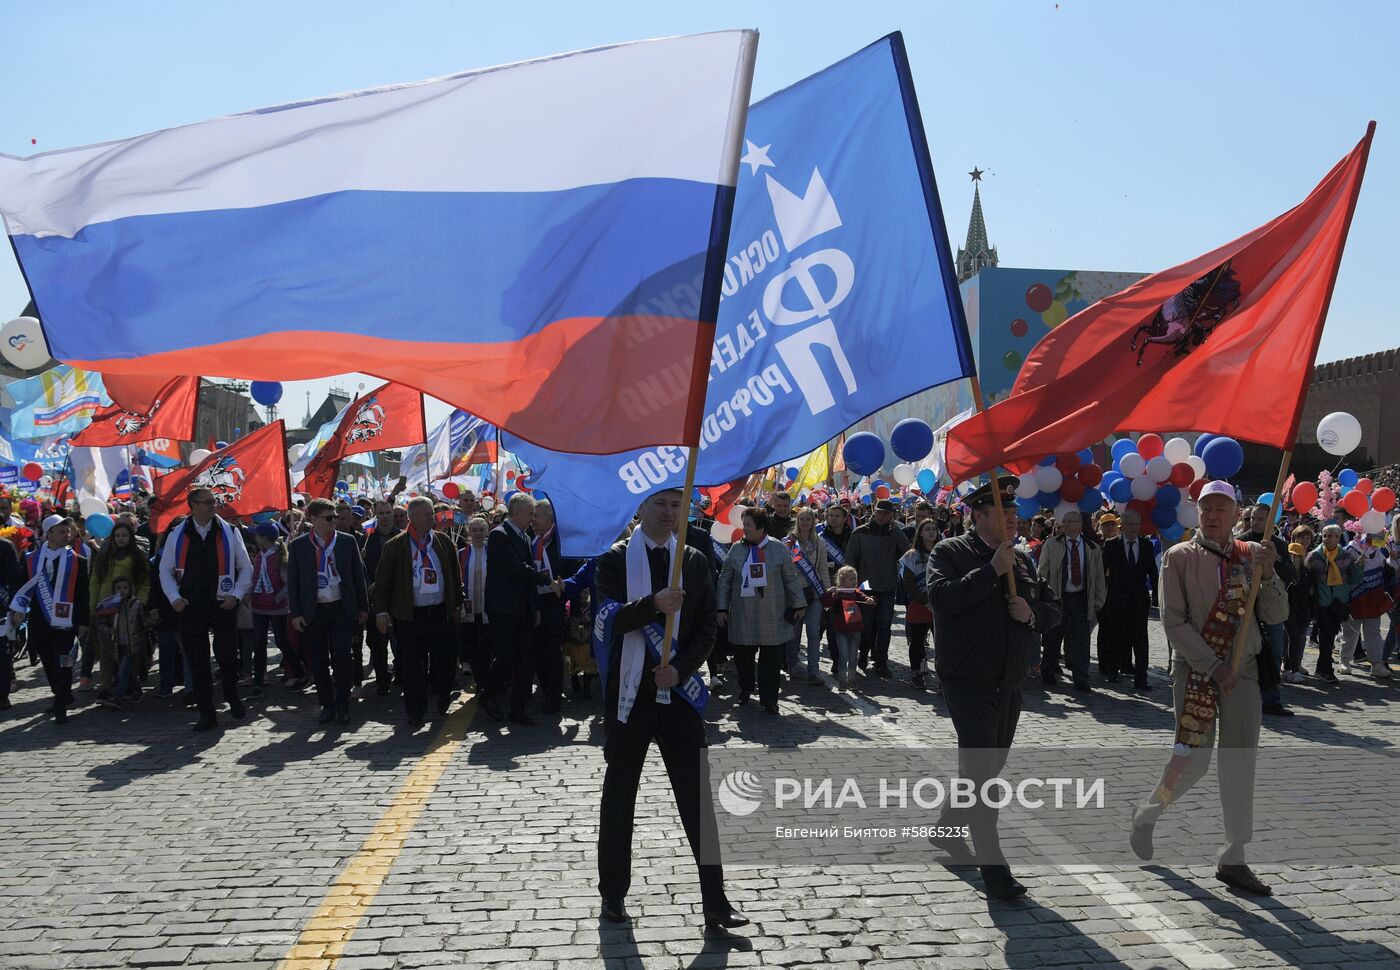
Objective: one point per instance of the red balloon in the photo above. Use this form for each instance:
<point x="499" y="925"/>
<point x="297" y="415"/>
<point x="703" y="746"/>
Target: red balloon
<point x="1150" y="445"/>
<point x="1182" y="475"/>
<point x="1143" y="509"/>
<point x="735" y="536"/>
<point x="1304" y="496"/>
<point x="882" y="492"/>
<point x="1090" y="475"/>
<point x="1355" y="502"/>
<point x="451" y="490"/>
<point x="1364" y="485"/>
<point x="1067" y="463"/>
<point x="1071" y="490"/>
<point x="510" y="474"/>
<point x="32" y="471"/>
<point x="1196" y="486"/>
<point x="1382" y="499"/>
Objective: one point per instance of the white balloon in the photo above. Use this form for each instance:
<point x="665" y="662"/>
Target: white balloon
<point x="1063" y="509"/>
<point x="1188" y="515"/>
<point x="904" y="474"/>
<point x="92" y="506"/>
<point x="1339" y="433"/>
<point x="1120" y="507"/>
<point x="723" y="532"/>
<point x="735" y="517"/>
<point x="1048" y="478"/>
<point x="198" y="455"/>
<point x="1198" y="465"/>
<point x="22" y="343"/>
<point x="1144" y="488"/>
<point x="47" y="480"/>
<point x="1159" y="469"/>
<point x="1026" y="487"/>
<point x="488" y="503"/>
<point x="1133" y="465"/>
<point x="1177" y="450"/>
<point x="1373" y="521"/>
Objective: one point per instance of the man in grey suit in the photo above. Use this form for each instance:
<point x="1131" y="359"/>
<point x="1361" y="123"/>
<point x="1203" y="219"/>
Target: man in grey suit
<point x="328" y="597"/>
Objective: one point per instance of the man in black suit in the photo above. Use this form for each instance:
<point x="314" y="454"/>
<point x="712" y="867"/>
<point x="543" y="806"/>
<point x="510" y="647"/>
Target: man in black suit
<point x="548" y="635"/>
<point x="634" y="719"/>
<point x="1130" y="568"/>
<point x="512" y="609"/>
<point x="329" y="599"/>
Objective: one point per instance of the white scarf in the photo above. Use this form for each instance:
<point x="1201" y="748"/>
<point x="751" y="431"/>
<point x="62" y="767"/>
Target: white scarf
<point x="634" y="644"/>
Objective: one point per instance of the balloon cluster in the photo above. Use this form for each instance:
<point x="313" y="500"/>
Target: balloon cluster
<point x="730" y="528"/>
<point x="911" y="440"/>
<point x="1063" y="483"/>
<point x="1362" y="500"/>
<point x="1161" y="480"/>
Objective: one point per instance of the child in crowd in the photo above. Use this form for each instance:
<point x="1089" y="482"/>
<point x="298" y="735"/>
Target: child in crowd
<point x="120" y="627"/>
<point x="843" y="605"/>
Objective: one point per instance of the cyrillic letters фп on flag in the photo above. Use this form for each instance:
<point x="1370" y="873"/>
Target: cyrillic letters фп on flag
<point x="527" y="242"/>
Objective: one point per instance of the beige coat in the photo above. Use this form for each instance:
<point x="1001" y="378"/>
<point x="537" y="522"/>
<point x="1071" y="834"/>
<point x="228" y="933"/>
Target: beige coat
<point x="1052" y="565"/>
<point x="1190" y="582"/>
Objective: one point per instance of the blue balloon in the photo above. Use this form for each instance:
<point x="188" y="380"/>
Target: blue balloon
<point x="792" y="474"/>
<point x="1026" y="507"/>
<point x="1168" y="497"/>
<point x="342" y="486"/>
<point x="911" y="439"/>
<point x="1109" y="477"/>
<point x="1342" y="490"/>
<point x="1348" y="477"/>
<point x="1266" y="499"/>
<point x="1091" y="502"/>
<point x="928" y="481"/>
<point x="1048" y="500"/>
<point x="1047" y="461"/>
<point x="1121" y="491"/>
<point x="1086" y="456"/>
<point x="1121" y="447"/>
<point x="1199" y="448"/>
<point x="99" y="525"/>
<point x="864" y="453"/>
<point x="1173" y="532"/>
<point x="865" y="500"/>
<point x="220" y="445"/>
<point x="1163" y="518"/>
<point x="266" y="393"/>
<point x="1223" y="457"/>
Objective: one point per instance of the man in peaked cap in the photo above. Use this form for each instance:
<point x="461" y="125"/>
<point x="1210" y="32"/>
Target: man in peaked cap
<point x="985" y="639"/>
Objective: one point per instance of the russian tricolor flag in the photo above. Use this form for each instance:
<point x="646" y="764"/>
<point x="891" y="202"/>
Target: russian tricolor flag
<point x="538" y="244"/>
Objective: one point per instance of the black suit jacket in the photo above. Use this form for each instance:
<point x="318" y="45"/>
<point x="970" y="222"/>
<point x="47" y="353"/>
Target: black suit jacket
<point x="694" y="639"/>
<point x="1128" y="583"/>
<point x="301" y="577"/>
<point x="511" y="576"/>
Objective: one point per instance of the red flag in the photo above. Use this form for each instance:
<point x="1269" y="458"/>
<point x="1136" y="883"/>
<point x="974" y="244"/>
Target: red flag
<point x="1224" y="343"/>
<point x="724" y="497"/>
<point x="168" y="413"/>
<point x="390" y="416"/>
<point x="247" y="477"/>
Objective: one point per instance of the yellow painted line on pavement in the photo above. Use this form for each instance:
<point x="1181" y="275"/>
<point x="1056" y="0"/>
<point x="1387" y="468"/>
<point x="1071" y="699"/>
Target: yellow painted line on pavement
<point x="323" y="939"/>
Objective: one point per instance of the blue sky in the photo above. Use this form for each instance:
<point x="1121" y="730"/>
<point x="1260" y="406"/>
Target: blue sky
<point x="1115" y="135"/>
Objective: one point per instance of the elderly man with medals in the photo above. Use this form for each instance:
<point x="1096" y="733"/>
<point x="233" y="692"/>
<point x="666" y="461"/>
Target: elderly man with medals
<point x="646" y="700"/>
<point x="1205" y="586"/>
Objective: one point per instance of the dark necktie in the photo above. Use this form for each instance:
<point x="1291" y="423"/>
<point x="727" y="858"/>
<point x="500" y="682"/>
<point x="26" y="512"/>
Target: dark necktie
<point x="1076" y="577"/>
<point x="660" y="560"/>
<point x="1132" y="552"/>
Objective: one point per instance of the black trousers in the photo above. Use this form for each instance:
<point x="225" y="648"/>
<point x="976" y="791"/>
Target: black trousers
<point x="427" y="658"/>
<point x="770" y="661"/>
<point x="719" y="654"/>
<point x="1073" y="633"/>
<point x="548" y="640"/>
<point x="875" y="632"/>
<point x="380" y="645"/>
<point x="985" y="718"/>
<point x="254" y="661"/>
<point x="195" y="624"/>
<point x="52" y="646"/>
<point x="918" y="640"/>
<point x="7" y="668"/>
<point x="329" y="641"/>
<point x="474" y="646"/>
<point x="512" y="663"/>
<point x="1128" y="649"/>
<point x="1329" y="624"/>
<point x="680" y="734"/>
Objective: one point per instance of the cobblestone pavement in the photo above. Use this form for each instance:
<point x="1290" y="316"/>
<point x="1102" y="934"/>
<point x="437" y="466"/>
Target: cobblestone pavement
<point x="128" y="841"/>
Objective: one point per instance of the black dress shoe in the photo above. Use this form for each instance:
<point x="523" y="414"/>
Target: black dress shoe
<point x="725" y="919"/>
<point x="1083" y="687"/>
<point x="342" y="713"/>
<point x="614" y="911"/>
<point x="327" y="715"/>
<point x="5" y="704"/>
<point x="770" y="708"/>
<point x="60" y="715"/>
<point x="493" y="710"/>
<point x="1241" y="877"/>
<point x="744" y="699"/>
<point x="205" y="722"/>
<point x="999" y="883"/>
<point x="236" y="710"/>
<point x="1048" y="676"/>
<point x="1142" y="685"/>
<point x="917" y="680"/>
<point x="1278" y="710"/>
<point x="382" y="690"/>
<point x="883" y="672"/>
<point x="523" y="719"/>
<point x="414" y="723"/>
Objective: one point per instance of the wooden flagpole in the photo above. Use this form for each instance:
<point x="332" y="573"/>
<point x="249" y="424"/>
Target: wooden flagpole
<point x="1237" y="648"/>
<point x="981" y="404"/>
